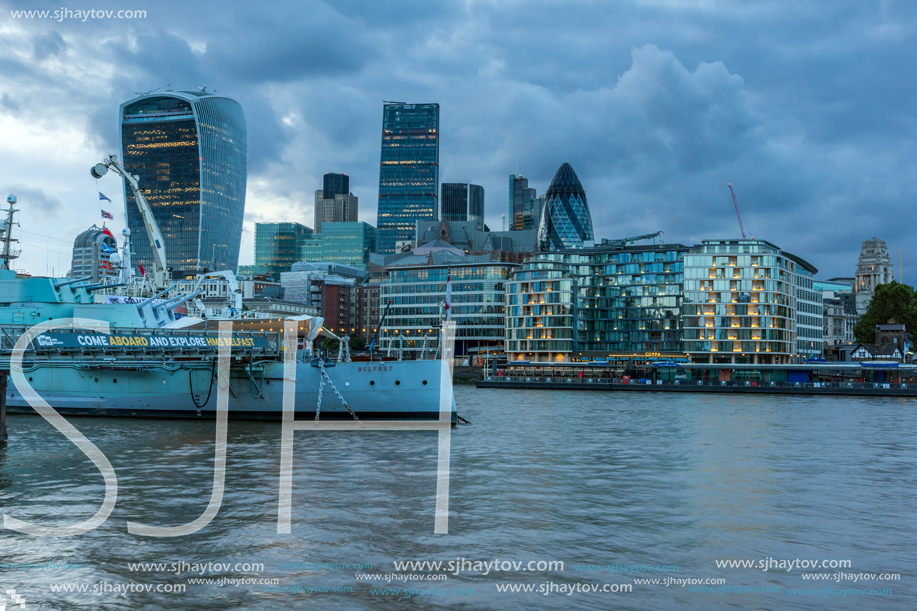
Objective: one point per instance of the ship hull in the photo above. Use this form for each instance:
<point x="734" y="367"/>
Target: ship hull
<point x="386" y="391"/>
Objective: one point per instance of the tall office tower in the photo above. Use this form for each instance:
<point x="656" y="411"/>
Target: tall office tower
<point x="523" y="204"/>
<point x="334" y="203"/>
<point x="566" y="222"/>
<point x="335" y="184"/>
<point x="463" y="202"/>
<point x="278" y="245"/>
<point x="190" y="150"/>
<point x="409" y="173"/>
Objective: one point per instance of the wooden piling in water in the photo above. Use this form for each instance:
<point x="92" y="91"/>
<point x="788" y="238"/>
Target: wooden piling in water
<point x="3" y="378"/>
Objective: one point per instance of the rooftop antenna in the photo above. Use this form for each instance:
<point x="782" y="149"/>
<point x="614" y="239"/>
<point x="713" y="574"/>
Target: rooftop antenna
<point x="153" y="90"/>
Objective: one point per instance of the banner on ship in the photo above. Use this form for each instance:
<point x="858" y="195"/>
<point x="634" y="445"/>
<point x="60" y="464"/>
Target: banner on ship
<point x="156" y="342"/>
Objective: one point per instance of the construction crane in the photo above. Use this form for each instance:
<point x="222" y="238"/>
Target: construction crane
<point x="735" y="203"/>
<point x="621" y="243"/>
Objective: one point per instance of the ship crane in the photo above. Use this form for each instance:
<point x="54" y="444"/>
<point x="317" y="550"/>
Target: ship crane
<point x="235" y="292"/>
<point x="157" y="243"/>
<point x="735" y="203"/>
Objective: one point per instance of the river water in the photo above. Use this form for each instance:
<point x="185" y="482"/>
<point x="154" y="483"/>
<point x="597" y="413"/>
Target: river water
<point x="619" y="487"/>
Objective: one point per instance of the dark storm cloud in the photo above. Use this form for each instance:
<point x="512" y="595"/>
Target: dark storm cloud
<point x="658" y="104"/>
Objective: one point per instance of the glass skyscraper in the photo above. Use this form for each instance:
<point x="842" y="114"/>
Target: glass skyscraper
<point x="409" y="172"/>
<point x="334" y="203"/>
<point x="190" y="151"/>
<point x="524" y="209"/>
<point x="463" y="202"/>
<point x="335" y="184"/>
<point x="566" y="222"/>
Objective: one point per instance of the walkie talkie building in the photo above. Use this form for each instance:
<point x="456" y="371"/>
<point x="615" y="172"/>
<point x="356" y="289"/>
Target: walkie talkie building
<point x="190" y="150"/>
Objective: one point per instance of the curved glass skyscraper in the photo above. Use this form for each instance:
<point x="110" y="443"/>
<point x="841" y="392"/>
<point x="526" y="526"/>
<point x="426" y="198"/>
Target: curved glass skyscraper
<point x="190" y="150"/>
<point x="566" y="222"/>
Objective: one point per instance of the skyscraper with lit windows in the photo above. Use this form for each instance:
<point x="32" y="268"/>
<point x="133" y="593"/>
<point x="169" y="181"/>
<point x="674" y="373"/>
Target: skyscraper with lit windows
<point x="409" y="172"/>
<point x="190" y="151"/>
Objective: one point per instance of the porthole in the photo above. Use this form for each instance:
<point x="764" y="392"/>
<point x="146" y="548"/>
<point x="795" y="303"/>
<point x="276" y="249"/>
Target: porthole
<point x="424" y="382"/>
<point x="97" y="379"/>
<point x="30" y="379"/>
<point x="371" y="383"/>
<point x="397" y="382"/>
<point x="163" y="381"/>
<point x="114" y="380"/>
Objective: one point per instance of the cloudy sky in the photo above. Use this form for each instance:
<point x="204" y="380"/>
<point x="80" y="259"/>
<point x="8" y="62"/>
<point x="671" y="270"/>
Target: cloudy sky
<point x="807" y="108"/>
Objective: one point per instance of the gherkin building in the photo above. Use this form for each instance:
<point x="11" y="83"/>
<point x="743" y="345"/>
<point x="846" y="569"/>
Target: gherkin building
<point x="566" y="222"/>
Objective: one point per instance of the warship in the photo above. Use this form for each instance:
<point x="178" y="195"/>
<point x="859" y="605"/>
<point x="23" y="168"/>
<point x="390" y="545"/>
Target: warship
<point x="85" y="350"/>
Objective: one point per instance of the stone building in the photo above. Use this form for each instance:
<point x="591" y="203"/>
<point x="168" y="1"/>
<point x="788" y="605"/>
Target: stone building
<point x="874" y="267"/>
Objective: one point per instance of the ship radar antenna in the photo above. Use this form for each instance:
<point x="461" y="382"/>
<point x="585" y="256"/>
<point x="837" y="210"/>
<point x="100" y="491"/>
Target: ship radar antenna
<point x="6" y="235"/>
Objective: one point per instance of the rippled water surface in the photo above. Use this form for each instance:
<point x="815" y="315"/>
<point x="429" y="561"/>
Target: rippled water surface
<point x="585" y="478"/>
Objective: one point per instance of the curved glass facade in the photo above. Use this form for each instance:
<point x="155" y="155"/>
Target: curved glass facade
<point x="190" y="151"/>
<point x="593" y="303"/>
<point x="740" y="304"/>
<point x="566" y="222"/>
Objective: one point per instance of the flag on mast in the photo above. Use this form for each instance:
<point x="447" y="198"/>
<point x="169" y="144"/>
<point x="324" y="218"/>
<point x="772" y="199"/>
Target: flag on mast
<point x="107" y="215"/>
<point x="103" y="197"/>
<point x="448" y="294"/>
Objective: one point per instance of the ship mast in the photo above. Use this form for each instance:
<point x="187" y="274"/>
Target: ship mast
<point x="6" y="235"/>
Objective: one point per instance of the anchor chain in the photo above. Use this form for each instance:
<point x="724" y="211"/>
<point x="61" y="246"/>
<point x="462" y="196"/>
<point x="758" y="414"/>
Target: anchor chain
<point x="325" y="376"/>
<point x="321" y="386"/>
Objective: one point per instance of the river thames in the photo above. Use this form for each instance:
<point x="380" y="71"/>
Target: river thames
<point x="557" y="492"/>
